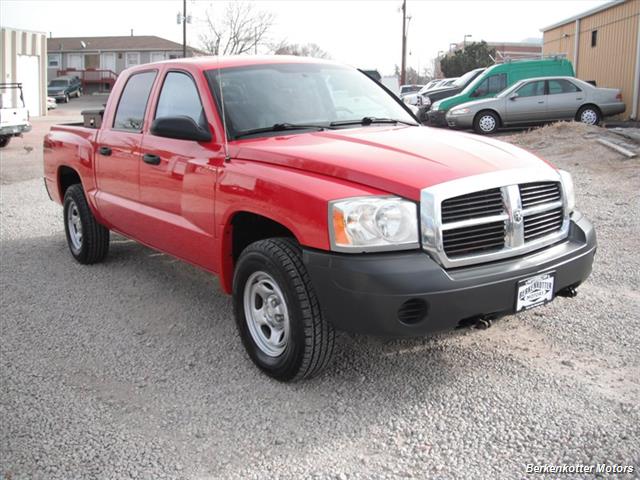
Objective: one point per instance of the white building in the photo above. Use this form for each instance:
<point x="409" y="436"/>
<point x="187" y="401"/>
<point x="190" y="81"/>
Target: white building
<point x="23" y="59"/>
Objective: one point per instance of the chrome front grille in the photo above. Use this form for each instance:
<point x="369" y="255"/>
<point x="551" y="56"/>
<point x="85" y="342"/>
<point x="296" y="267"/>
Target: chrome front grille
<point x="538" y="225"/>
<point x="473" y="240"/>
<point x="477" y="204"/>
<point x="539" y="192"/>
<point x="493" y="216"/>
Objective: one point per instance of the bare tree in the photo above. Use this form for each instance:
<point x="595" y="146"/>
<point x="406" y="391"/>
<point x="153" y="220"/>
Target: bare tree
<point x="305" y="50"/>
<point x="240" y="29"/>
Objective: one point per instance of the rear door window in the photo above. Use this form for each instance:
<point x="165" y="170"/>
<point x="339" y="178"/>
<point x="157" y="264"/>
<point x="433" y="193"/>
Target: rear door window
<point x="492" y="85"/>
<point x="562" y="86"/>
<point x="133" y="102"/>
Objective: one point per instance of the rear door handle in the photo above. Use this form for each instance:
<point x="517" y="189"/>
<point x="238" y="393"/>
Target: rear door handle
<point x="105" y="151"/>
<point x="541" y="102"/>
<point x="151" y="159"/>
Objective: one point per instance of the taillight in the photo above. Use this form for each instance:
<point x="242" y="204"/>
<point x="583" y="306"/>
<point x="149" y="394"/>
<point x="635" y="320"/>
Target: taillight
<point x="619" y="96"/>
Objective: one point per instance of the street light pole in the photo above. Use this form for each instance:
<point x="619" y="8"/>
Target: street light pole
<point x="184" y="29"/>
<point x="464" y="41"/>
<point x="403" y="67"/>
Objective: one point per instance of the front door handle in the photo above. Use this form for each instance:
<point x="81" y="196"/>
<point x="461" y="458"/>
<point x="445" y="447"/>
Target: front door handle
<point x="151" y="159"/>
<point x="105" y="151"/>
<point x="541" y="102"/>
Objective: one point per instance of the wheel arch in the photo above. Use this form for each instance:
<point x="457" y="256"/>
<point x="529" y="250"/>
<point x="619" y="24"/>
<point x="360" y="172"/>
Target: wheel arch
<point x="65" y="177"/>
<point x="241" y="229"/>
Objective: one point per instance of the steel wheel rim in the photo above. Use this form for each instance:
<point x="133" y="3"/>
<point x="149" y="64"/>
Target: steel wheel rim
<point x="589" y="117"/>
<point x="487" y="123"/>
<point x="74" y="225"/>
<point x="266" y="314"/>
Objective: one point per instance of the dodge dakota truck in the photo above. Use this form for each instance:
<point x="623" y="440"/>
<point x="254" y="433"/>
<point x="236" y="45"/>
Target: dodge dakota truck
<point x="319" y="201"/>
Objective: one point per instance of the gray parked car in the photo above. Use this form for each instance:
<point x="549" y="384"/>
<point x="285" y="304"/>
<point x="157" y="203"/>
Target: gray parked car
<point x="538" y="100"/>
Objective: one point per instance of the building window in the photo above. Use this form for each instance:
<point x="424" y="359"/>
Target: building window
<point x="55" y="60"/>
<point x="594" y="38"/>
<point x="132" y="58"/>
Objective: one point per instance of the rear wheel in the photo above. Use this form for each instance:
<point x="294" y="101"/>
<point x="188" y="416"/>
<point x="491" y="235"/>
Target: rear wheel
<point x="4" y="141"/>
<point x="88" y="240"/>
<point x="589" y="115"/>
<point x="486" y="122"/>
<point x="277" y="312"/>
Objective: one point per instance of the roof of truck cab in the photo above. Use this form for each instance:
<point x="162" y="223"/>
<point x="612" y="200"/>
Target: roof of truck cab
<point x="212" y="63"/>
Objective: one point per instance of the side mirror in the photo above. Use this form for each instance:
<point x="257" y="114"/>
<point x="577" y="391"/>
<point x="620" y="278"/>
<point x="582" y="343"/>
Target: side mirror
<point x="513" y="96"/>
<point x="181" y="128"/>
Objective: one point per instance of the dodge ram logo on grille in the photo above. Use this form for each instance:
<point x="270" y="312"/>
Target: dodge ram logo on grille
<point x="517" y="216"/>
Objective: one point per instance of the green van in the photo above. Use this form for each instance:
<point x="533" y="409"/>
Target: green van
<point x="498" y="77"/>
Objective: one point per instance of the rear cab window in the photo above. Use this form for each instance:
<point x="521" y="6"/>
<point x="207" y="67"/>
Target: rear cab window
<point x="133" y="102"/>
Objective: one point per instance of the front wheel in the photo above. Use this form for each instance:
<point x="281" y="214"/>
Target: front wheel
<point x="66" y="98"/>
<point x="486" y="122"/>
<point x="88" y="240"/>
<point x="277" y="312"/>
<point x="4" y="141"/>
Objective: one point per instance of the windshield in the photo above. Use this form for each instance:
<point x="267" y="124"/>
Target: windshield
<point x="462" y="81"/>
<point x="58" y="83"/>
<point x="261" y="96"/>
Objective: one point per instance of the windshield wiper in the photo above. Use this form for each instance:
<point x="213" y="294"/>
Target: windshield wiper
<point x="281" y="127"/>
<point x="365" y="121"/>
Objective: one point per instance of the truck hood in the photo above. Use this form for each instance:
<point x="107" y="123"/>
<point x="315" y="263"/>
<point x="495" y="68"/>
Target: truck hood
<point x="400" y="160"/>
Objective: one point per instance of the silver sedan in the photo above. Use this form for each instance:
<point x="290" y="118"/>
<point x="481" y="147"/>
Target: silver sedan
<point x="535" y="101"/>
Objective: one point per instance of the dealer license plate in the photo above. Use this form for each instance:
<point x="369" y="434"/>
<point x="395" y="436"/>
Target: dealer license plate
<point x="534" y="291"/>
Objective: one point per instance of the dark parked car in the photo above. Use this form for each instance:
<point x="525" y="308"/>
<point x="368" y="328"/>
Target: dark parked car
<point x="63" y="88"/>
<point x="436" y="94"/>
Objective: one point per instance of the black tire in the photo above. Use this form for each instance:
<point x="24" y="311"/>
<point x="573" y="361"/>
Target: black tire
<point x="486" y="122"/>
<point x="309" y="345"/>
<point x="4" y="141"/>
<point x="589" y="115"/>
<point x="66" y="98"/>
<point x="94" y="243"/>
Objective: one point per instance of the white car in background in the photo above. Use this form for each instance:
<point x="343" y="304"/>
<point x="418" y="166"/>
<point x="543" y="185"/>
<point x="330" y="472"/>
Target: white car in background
<point x="51" y="103"/>
<point x="14" y="116"/>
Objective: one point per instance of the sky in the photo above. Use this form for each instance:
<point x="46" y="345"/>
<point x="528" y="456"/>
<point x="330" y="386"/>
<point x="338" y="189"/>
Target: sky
<point x="363" y="33"/>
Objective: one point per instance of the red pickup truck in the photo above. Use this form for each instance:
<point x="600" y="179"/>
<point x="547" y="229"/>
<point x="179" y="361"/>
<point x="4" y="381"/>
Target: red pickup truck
<point x="319" y="201"/>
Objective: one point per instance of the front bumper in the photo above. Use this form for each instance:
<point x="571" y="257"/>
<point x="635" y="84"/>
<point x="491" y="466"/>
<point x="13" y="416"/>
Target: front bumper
<point x="459" y="121"/>
<point x="369" y="293"/>
<point x="57" y="95"/>
<point x="437" y="118"/>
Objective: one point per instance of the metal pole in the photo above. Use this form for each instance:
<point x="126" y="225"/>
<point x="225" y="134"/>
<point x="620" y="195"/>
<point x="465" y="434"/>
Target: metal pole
<point x="404" y="43"/>
<point x="636" y="86"/>
<point x="184" y="29"/>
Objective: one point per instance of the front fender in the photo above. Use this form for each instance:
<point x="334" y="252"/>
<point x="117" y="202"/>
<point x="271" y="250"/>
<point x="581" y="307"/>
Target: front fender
<point x="296" y="199"/>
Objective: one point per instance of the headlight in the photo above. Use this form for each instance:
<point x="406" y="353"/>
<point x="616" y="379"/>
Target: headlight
<point x="567" y="187"/>
<point x="435" y="106"/>
<point x="363" y="224"/>
<point x="461" y="111"/>
<point x="426" y="101"/>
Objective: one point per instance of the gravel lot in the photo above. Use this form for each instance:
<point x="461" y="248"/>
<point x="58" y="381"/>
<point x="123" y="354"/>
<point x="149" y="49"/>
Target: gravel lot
<point x="133" y="369"/>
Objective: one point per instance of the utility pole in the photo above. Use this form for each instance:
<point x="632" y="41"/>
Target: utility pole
<point x="403" y="68"/>
<point x="184" y="29"/>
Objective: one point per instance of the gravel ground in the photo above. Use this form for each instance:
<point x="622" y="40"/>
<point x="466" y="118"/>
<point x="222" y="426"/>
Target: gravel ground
<point x="133" y="368"/>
